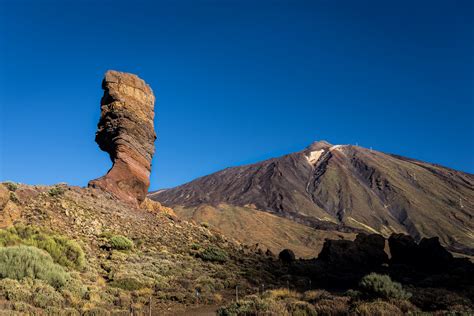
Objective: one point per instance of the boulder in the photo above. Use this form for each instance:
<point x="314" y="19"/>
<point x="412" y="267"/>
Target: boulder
<point x="126" y="132"/>
<point x="403" y="249"/>
<point x="364" y="253"/>
<point x="287" y="256"/>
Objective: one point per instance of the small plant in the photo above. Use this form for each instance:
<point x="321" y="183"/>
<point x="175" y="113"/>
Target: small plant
<point x="14" y="197"/>
<point x="11" y="186"/>
<point x="19" y="262"/>
<point x="381" y="286"/>
<point x="119" y="242"/>
<point x="215" y="254"/>
<point x="56" y="191"/>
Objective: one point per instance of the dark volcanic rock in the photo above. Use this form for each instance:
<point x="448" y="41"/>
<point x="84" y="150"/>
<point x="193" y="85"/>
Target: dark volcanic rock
<point x="287" y="256"/>
<point x="428" y="254"/>
<point x="364" y="253"/>
<point x="126" y="132"/>
<point x="403" y="249"/>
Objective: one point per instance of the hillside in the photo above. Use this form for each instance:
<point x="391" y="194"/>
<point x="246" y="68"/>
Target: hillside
<point x="341" y="188"/>
<point x="167" y="261"/>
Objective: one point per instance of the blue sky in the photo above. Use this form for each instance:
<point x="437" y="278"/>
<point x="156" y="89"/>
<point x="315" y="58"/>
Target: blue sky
<point x="235" y="81"/>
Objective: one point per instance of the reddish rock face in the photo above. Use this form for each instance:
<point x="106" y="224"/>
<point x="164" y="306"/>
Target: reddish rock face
<point x="127" y="133"/>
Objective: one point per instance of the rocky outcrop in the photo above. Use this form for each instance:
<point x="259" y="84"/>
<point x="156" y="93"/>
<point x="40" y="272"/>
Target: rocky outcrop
<point x="156" y="208"/>
<point x="126" y="132"/>
<point x="427" y="255"/>
<point x="365" y="252"/>
<point x="287" y="256"/>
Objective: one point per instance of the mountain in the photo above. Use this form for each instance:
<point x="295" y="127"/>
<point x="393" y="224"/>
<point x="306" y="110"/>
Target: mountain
<point x="337" y="189"/>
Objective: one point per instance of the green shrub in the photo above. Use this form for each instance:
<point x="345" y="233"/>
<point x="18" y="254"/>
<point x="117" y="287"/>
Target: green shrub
<point x="215" y="254"/>
<point x="56" y="191"/>
<point x="381" y="286"/>
<point x="195" y="246"/>
<point x="14" y="197"/>
<point x="64" y="251"/>
<point x="120" y="242"/>
<point x="11" y="186"/>
<point x="129" y="284"/>
<point x="19" y="262"/>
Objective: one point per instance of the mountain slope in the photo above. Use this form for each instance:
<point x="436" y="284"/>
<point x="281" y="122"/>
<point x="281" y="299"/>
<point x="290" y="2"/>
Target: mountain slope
<point x="345" y="188"/>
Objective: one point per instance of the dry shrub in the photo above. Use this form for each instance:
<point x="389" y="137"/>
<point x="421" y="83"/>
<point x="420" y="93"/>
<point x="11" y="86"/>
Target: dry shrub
<point x="282" y="293"/>
<point x="377" y="308"/>
<point x="436" y="299"/>
<point x="316" y="295"/>
<point x="335" y="306"/>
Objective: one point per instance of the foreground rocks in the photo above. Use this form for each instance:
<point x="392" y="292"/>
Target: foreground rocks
<point x="126" y="132"/>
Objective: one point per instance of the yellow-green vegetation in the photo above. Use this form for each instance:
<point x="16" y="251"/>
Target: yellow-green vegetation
<point x="56" y="191"/>
<point x="19" y="262"/>
<point x="63" y="251"/>
<point x="381" y="286"/>
<point x="119" y="242"/>
<point x="11" y="186"/>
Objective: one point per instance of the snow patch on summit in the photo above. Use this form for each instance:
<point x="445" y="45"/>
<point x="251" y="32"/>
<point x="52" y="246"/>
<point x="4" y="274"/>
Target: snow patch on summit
<point x="314" y="156"/>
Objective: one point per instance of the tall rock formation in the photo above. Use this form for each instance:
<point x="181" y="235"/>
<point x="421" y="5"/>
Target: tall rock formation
<point x="127" y="133"/>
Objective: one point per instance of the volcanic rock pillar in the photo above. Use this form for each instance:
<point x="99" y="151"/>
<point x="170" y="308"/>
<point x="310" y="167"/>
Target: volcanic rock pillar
<point x="127" y="133"/>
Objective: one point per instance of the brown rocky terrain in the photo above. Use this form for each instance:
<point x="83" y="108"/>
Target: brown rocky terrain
<point x="168" y="258"/>
<point x="126" y="132"/>
<point x="340" y="188"/>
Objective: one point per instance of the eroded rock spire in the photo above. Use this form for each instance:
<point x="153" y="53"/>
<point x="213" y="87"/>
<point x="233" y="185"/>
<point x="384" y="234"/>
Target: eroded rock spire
<point x="127" y="133"/>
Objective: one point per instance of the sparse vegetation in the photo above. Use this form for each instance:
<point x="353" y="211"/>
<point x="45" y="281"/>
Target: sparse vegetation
<point x="374" y="286"/>
<point x="175" y="259"/>
<point x="119" y="242"/>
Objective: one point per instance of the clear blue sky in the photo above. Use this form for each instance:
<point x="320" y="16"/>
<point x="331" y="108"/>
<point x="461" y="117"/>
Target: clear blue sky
<point x="236" y="81"/>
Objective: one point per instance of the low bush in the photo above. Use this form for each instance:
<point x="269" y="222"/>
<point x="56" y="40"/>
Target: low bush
<point x="44" y="295"/>
<point x="336" y="305"/>
<point x="64" y="251"/>
<point x="215" y="254"/>
<point x="56" y="191"/>
<point x="19" y="262"/>
<point x="11" y="186"/>
<point x="282" y="293"/>
<point x="375" y="285"/>
<point x="377" y="308"/>
<point x="13" y="290"/>
<point x="119" y="242"/>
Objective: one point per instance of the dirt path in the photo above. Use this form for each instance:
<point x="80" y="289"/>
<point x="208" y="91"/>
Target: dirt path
<point x="199" y="311"/>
